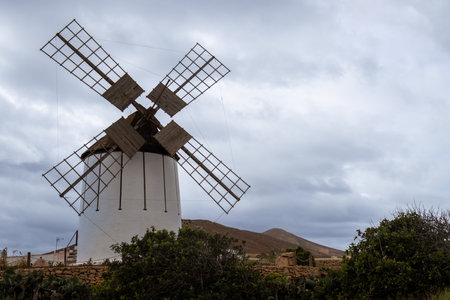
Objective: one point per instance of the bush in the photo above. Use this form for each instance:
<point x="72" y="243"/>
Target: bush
<point x="192" y="265"/>
<point x="276" y="286"/>
<point x="35" y="286"/>
<point x="408" y="256"/>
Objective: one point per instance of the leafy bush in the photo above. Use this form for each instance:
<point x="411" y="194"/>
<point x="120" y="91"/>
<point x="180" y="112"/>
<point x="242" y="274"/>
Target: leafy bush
<point x="192" y="265"/>
<point x="35" y="286"/>
<point x="408" y="256"/>
<point x="276" y="286"/>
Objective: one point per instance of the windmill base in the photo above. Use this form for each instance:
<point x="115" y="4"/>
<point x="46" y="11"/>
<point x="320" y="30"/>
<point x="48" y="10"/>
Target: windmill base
<point x="144" y="196"/>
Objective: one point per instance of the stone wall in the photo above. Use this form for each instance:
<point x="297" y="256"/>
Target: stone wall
<point x="292" y="271"/>
<point x="92" y="275"/>
<point x="334" y="263"/>
<point x="300" y="271"/>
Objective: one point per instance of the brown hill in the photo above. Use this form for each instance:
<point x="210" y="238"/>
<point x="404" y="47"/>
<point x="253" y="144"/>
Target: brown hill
<point x="256" y="243"/>
<point x="316" y="249"/>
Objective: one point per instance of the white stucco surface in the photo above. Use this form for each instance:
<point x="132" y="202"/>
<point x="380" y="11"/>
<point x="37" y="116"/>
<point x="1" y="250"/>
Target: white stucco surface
<point x="99" y="229"/>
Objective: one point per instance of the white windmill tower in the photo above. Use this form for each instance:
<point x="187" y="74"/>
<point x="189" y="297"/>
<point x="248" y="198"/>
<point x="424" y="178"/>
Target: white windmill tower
<point x="125" y="179"/>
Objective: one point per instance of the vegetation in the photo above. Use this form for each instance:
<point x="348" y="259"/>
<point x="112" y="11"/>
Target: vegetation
<point x="276" y="286"/>
<point x="267" y="258"/>
<point x="408" y="256"/>
<point x="303" y="257"/>
<point x="3" y="256"/>
<point x="192" y="265"/>
<point x="35" y="286"/>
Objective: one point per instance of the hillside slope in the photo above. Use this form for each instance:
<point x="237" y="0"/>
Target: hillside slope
<point x="254" y="242"/>
<point x="316" y="249"/>
<point x="273" y="239"/>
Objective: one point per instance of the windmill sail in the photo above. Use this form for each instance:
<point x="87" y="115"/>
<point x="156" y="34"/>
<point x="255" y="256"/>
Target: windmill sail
<point x="75" y="50"/>
<point x="197" y="71"/>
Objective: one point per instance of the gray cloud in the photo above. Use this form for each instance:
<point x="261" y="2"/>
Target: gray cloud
<point x="335" y="113"/>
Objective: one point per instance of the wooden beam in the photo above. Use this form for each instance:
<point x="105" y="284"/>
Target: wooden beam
<point x="85" y="59"/>
<point x="193" y="75"/>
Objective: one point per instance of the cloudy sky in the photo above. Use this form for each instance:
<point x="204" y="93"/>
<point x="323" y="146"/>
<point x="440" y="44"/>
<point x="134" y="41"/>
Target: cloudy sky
<point x="335" y="112"/>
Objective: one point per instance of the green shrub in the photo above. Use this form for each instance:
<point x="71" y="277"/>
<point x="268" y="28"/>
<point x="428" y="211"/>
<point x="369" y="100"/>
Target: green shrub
<point x="35" y="286"/>
<point x="408" y="256"/>
<point x="190" y="265"/>
<point x="276" y="286"/>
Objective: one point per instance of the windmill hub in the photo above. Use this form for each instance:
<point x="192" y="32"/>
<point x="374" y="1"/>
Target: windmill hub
<point x="125" y="180"/>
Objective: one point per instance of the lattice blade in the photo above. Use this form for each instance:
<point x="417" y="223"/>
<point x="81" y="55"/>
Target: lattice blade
<point x="223" y="185"/>
<point x="83" y="175"/>
<point x="192" y="76"/>
<point x="76" y="51"/>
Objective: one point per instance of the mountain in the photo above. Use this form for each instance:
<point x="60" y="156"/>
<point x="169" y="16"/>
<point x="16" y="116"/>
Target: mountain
<point x="255" y="243"/>
<point x="316" y="250"/>
<point x="273" y="239"/>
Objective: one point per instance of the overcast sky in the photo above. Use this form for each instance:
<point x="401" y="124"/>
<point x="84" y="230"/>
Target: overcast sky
<point x="335" y="112"/>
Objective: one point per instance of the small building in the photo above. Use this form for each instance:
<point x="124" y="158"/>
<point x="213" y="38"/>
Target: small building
<point x="286" y="259"/>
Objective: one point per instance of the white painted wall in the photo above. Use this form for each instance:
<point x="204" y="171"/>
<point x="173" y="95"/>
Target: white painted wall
<point x="99" y="229"/>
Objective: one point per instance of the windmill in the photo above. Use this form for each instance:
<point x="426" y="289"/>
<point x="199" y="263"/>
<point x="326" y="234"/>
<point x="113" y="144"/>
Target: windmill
<point x="125" y="180"/>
